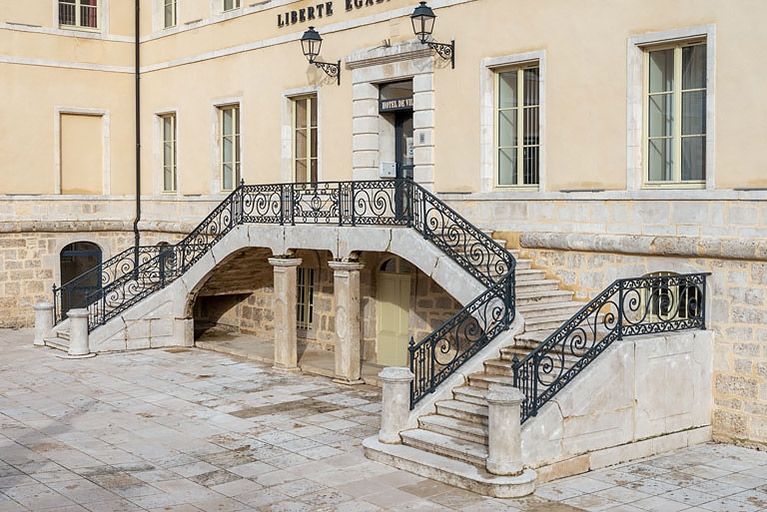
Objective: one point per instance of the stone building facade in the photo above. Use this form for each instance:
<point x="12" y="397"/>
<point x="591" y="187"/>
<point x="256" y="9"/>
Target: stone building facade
<point x="602" y="139"/>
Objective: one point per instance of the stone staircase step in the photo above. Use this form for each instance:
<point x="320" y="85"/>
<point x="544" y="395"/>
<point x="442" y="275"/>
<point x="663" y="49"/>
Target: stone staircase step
<point x="526" y="296"/>
<point x="471" y="395"/>
<point x="524" y="264"/>
<point x="63" y="334"/>
<point x="531" y="339"/>
<point x="482" y="380"/>
<point x="433" y="442"/>
<point x="537" y="285"/>
<point x="466" y="411"/>
<point x="498" y="367"/>
<point x="453" y="427"/>
<point x="549" y="309"/>
<point x="529" y="275"/>
<point x="57" y="343"/>
<point x="450" y="471"/>
<point x="542" y="323"/>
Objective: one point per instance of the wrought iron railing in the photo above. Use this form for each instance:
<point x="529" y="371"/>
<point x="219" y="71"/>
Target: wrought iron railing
<point x="628" y="307"/>
<point x="399" y="202"/>
<point x="73" y="293"/>
<point x="440" y="354"/>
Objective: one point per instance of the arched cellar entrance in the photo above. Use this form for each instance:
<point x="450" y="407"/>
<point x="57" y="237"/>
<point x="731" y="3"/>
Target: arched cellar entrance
<point x="75" y="259"/>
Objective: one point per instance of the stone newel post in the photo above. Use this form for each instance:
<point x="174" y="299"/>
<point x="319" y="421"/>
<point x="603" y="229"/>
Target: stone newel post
<point x="78" y="334"/>
<point x="504" y="446"/>
<point x="43" y="321"/>
<point x="346" y="291"/>
<point x="285" y="342"/>
<point x="396" y="403"/>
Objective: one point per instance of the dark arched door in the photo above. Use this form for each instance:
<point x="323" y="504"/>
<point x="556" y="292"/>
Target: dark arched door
<point x="76" y="259"/>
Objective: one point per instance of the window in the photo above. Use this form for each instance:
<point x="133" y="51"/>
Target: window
<point x="231" y="4"/>
<point x="517" y="127"/>
<point x="305" y="299"/>
<point x="305" y="139"/>
<point x="169" y="13"/>
<point x="675" y="130"/>
<point x="672" y="299"/>
<point x="169" y="170"/>
<point x="78" y="13"/>
<point x="230" y="147"/>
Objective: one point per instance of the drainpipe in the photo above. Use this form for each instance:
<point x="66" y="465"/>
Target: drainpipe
<point x="136" y="234"/>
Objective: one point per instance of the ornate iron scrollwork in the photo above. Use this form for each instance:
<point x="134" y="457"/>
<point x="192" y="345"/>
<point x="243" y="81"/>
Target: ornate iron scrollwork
<point x="628" y="307"/>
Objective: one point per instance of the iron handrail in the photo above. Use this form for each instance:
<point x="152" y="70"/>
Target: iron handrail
<point x="399" y="202"/>
<point x="441" y="353"/>
<point x="628" y="307"/>
<point x="103" y="273"/>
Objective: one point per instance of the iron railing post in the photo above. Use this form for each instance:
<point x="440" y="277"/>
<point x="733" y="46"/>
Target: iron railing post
<point x="620" y="310"/>
<point x="410" y="198"/>
<point x="703" y="303"/>
<point x="340" y="205"/>
<point x="292" y="211"/>
<point x="352" y="205"/>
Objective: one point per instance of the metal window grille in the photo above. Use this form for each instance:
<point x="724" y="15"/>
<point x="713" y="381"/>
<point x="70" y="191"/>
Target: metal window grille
<point x="305" y="298"/>
<point x="78" y="13"/>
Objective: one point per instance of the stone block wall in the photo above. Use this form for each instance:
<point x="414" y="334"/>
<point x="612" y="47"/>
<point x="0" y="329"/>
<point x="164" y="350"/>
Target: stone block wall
<point x="34" y="230"/>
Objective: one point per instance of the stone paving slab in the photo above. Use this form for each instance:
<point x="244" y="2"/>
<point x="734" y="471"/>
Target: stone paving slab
<point x="184" y="429"/>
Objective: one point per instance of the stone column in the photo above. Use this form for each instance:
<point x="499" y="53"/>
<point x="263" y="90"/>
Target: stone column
<point x="504" y="444"/>
<point x="43" y="321"/>
<point x="396" y="403"/>
<point x="78" y="334"/>
<point x="285" y="342"/>
<point x="346" y="292"/>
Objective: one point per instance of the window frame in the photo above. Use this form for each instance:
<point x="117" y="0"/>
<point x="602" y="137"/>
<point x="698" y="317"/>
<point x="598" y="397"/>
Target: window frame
<point x="305" y="285"/>
<point x="520" y="127"/>
<point x="311" y="127"/>
<point x="487" y="166"/>
<point x="173" y="164"/>
<point x="235" y="5"/>
<point x="78" y="6"/>
<point x="173" y="4"/>
<point x="236" y="162"/>
<point x="676" y="136"/>
<point x="636" y="115"/>
<point x="668" y="303"/>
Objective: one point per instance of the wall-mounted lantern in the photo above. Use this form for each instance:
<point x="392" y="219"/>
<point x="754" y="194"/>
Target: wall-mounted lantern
<point x="423" y="25"/>
<point x="311" y="42"/>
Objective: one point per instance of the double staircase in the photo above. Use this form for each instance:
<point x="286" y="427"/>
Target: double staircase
<point x="552" y="340"/>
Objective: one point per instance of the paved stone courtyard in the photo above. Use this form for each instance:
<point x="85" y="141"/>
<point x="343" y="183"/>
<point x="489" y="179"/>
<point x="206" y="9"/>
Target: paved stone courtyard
<point x="191" y="430"/>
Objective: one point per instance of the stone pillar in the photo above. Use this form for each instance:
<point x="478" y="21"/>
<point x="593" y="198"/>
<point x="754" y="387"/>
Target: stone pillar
<point x="504" y="441"/>
<point x="78" y="334"/>
<point x="285" y="342"/>
<point x="396" y="403"/>
<point x="346" y="292"/>
<point x="43" y="321"/>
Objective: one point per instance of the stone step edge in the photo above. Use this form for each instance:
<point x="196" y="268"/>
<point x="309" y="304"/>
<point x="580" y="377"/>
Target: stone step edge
<point x="57" y="343"/>
<point x="442" y="444"/>
<point x="450" y="471"/>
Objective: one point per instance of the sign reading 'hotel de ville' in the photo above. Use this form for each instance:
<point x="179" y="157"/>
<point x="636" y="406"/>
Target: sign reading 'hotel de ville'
<point x="321" y="10"/>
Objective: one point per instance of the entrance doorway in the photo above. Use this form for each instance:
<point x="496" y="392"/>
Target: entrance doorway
<point x="393" y="300"/>
<point x="403" y="143"/>
<point x="75" y="259"/>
